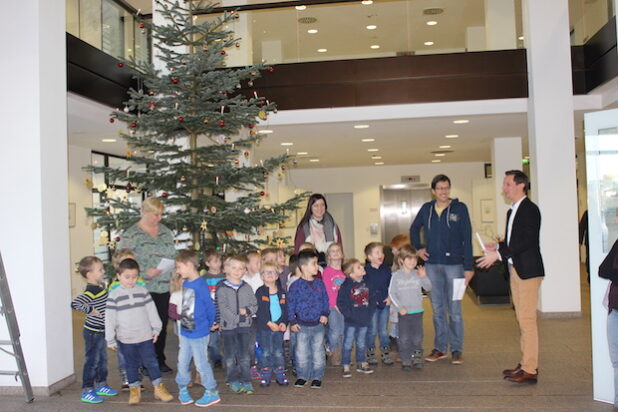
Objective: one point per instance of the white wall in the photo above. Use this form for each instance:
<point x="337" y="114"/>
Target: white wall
<point x="483" y="192"/>
<point x="364" y="183"/>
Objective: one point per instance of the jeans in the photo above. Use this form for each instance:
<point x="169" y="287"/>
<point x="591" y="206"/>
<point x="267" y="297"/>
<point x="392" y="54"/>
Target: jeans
<point x="612" y="340"/>
<point x="352" y="334"/>
<point x="335" y="329"/>
<point x="196" y="349"/>
<point x="447" y="317"/>
<point x="161" y="301"/>
<point x="138" y="354"/>
<point x="272" y="348"/>
<point x="378" y="327"/>
<point x="214" y="353"/>
<point x="95" y="362"/>
<point x="410" y="335"/>
<point x="293" y="340"/>
<point x="236" y="356"/>
<point x="310" y="354"/>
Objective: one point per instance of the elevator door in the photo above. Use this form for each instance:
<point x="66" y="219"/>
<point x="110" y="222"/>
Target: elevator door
<point x="399" y="205"/>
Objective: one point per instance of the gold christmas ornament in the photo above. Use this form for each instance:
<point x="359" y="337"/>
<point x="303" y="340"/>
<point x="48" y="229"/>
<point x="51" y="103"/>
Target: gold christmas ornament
<point x="128" y="153"/>
<point x="204" y="225"/>
<point x="88" y="183"/>
<point x="262" y="115"/>
<point x="253" y="133"/>
<point x="185" y="229"/>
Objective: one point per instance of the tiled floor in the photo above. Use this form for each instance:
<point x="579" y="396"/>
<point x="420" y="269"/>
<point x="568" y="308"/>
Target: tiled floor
<point x="491" y="344"/>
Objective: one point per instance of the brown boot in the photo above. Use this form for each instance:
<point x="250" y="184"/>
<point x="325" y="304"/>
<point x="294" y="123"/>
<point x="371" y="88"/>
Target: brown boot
<point x="135" y="395"/>
<point x="161" y="393"/>
<point x="335" y="357"/>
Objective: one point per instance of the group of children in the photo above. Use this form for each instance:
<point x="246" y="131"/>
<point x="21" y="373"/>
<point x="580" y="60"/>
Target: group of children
<point x="253" y="304"/>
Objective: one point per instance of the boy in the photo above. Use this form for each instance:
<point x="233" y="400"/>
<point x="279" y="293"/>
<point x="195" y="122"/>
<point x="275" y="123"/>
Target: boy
<point x="271" y="324"/>
<point x="355" y="303"/>
<point x="236" y="304"/>
<point x="197" y="316"/>
<point x="379" y="278"/>
<point x="253" y="278"/>
<point x="92" y="302"/>
<point x="214" y="275"/>
<point x="133" y="325"/>
<point x="308" y="313"/>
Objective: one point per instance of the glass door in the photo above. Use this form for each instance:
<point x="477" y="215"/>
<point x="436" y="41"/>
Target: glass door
<point x="602" y="175"/>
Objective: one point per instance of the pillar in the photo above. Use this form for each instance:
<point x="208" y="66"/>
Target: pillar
<point x="33" y="176"/>
<point x="552" y="151"/>
<point x="505" y="155"/>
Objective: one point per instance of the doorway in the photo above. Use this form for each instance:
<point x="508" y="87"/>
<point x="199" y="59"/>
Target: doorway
<point x="399" y="205"/>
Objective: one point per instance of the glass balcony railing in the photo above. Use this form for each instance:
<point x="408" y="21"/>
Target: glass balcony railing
<point x="108" y="26"/>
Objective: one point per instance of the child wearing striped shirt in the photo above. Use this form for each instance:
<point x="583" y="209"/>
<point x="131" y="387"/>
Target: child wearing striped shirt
<point x="92" y="302"/>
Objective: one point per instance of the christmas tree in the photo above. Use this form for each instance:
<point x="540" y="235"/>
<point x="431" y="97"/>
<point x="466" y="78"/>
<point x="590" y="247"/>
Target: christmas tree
<point x="190" y="131"/>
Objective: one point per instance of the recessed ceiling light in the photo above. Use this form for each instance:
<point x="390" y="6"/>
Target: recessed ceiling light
<point x="428" y="43"/>
<point x="436" y="161"/>
<point x="312" y="31"/>
<point x="378" y="163"/>
<point x="287" y="144"/>
<point x="373" y="150"/>
<point x="372" y="27"/>
<point x="322" y="50"/>
<point x="461" y="121"/>
<point x="108" y="140"/>
<point x="431" y="23"/>
<point x="439" y="154"/>
<point x="446" y="146"/>
<point x="302" y="153"/>
<point x="314" y="160"/>
<point x="361" y="126"/>
<point x="366" y="2"/>
<point x="376" y="157"/>
<point x="451" y="136"/>
<point x="265" y="131"/>
<point x="369" y="140"/>
<point x="301" y="8"/>
<point x="375" y="46"/>
<point x="520" y="38"/>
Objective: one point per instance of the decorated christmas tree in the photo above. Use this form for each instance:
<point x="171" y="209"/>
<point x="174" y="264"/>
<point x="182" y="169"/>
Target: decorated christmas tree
<point x="191" y="124"/>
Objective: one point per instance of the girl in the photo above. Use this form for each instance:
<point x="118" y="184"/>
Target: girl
<point x="406" y="295"/>
<point x="333" y="278"/>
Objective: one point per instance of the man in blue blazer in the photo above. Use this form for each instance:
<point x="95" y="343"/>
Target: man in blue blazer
<point x="521" y="251"/>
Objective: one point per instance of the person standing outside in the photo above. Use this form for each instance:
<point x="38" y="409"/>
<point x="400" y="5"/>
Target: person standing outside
<point x="522" y="252"/>
<point x="448" y="256"/>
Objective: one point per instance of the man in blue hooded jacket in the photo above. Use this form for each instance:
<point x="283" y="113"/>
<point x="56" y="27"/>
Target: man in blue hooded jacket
<point x="448" y="255"/>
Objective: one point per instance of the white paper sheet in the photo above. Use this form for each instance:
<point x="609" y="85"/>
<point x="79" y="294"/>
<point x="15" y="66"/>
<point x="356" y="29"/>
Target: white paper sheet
<point x="166" y="265"/>
<point x="481" y="244"/>
<point x="459" y="288"/>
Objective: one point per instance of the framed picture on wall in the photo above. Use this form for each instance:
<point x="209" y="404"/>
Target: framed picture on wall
<point x="488" y="213"/>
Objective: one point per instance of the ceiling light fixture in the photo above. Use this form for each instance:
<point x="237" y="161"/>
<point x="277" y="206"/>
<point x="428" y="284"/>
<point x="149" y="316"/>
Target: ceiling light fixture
<point x="287" y="144"/>
<point x="451" y="136"/>
<point x="431" y="23"/>
<point x="322" y="50"/>
<point x="520" y="38"/>
<point x="461" y="121"/>
<point x="376" y="157"/>
<point x="373" y="150"/>
<point x="312" y="31"/>
<point x="439" y="154"/>
<point x="361" y="126"/>
<point x="372" y="27"/>
<point x="301" y="8"/>
<point x="108" y="140"/>
<point x="367" y="2"/>
<point x="265" y="131"/>
<point x="369" y="140"/>
<point x="378" y="163"/>
<point x="428" y="43"/>
<point x="446" y="146"/>
<point x="436" y="161"/>
<point x="314" y="160"/>
<point x="302" y="153"/>
<point x="375" y="46"/>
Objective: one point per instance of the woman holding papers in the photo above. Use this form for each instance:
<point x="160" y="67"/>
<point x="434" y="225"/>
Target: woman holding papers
<point x="153" y="246"/>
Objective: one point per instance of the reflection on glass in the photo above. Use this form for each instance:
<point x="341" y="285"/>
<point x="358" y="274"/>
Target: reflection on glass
<point x="608" y="186"/>
<point x="587" y="17"/>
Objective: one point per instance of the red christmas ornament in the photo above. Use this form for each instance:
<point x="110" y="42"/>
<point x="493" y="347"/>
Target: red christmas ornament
<point x="111" y="120"/>
<point x="142" y="25"/>
<point x="251" y="125"/>
<point x="133" y="125"/>
<point x="222" y="52"/>
<point x="271" y="69"/>
<point x="164" y="194"/>
<point x="262" y="193"/>
<point x="151" y="104"/>
<point x="117" y="238"/>
<point x="120" y="64"/>
<point x="221" y="123"/>
<point x="174" y="80"/>
<point x="181" y="119"/>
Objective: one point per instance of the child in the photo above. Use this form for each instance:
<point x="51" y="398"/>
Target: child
<point x="285" y="269"/>
<point x="311" y="246"/>
<point x="214" y="275"/>
<point x="294" y="275"/>
<point x="354" y="302"/>
<point x="406" y="295"/>
<point x="197" y="316"/>
<point x="236" y="304"/>
<point x="308" y="313"/>
<point x="333" y="278"/>
<point x="271" y="320"/>
<point x="271" y="254"/>
<point x="119" y="256"/>
<point x="92" y="302"/>
<point x="378" y="277"/>
<point x="133" y="325"/>
<point x="253" y="278"/>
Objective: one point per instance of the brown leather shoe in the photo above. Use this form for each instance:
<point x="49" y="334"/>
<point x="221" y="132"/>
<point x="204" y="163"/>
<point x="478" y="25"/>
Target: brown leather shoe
<point x="512" y="372"/>
<point x="523" y="377"/>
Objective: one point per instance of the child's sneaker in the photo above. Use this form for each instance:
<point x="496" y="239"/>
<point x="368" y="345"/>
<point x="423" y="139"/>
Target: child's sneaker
<point x="364" y="368"/>
<point x="386" y="356"/>
<point x="209" y="398"/>
<point x="161" y="393"/>
<point x="247" y="388"/>
<point x="184" y="397"/>
<point x="280" y="377"/>
<point x="266" y="376"/>
<point x="135" y="395"/>
<point x="235" y="387"/>
<point x="300" y="383"/>
<point x="316" y="384"/>
<point x="125" y="387"/>
<point x="370" y="356"/>
<point x="417" y="360"/>
<point x="406" y="367"/>
<point x="435" y="355"/>
<point x="255" y="374"/>
<point x="91" y="397"/>
<point x="346" y="371"/>
<point x="106" y="391"/>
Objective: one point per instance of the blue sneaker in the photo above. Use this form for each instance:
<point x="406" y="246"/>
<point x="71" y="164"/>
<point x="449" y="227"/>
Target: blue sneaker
<point x="106" y="391"/>
<point x="209" y="398"/>
<point x="236" y="387"/>
<point x="184" y="397"/>
<point x="247" y="388"/>
<point x="91" y="397"/>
